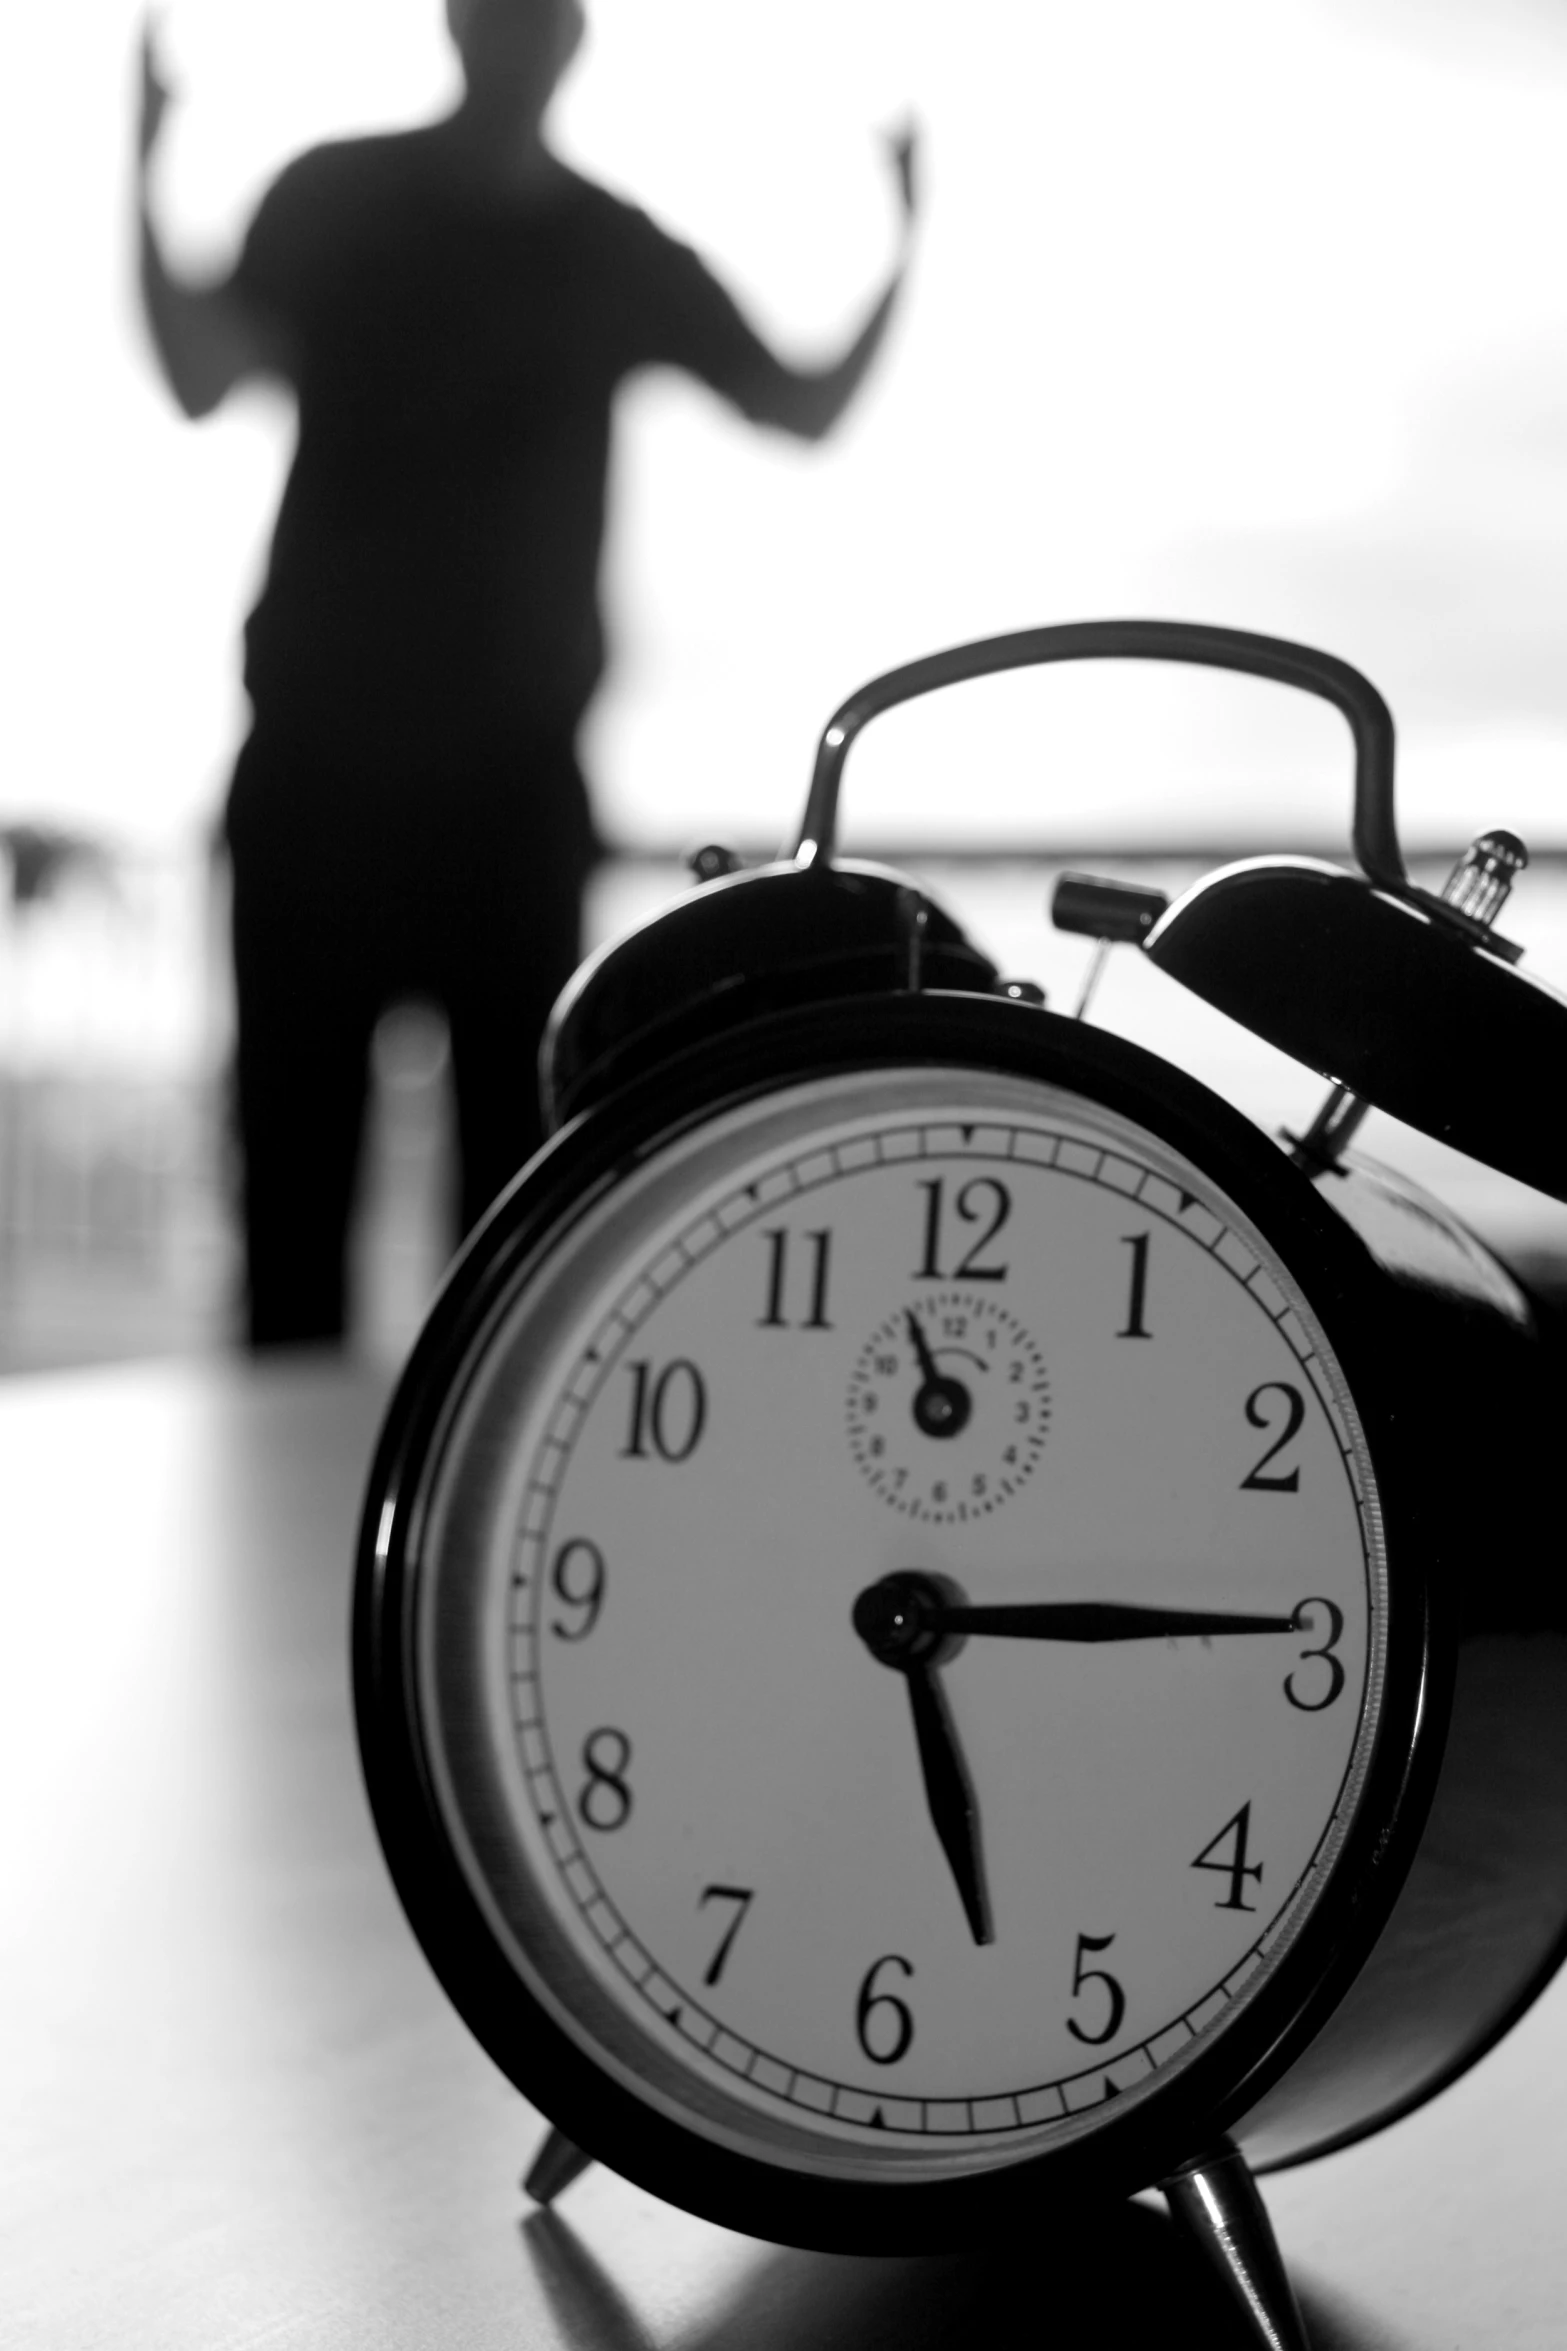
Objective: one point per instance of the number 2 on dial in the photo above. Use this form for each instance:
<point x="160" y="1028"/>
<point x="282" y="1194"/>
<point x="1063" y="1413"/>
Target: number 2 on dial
<point x="1262" y="1480"/>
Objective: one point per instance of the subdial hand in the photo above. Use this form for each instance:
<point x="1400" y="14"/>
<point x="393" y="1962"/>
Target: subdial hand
<point x="929" y="1368"/>
<point x="895" y="1637"/>
<point x="942" y="1405"/>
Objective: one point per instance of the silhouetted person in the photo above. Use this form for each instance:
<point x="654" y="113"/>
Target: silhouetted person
<point x="454" y="310"/>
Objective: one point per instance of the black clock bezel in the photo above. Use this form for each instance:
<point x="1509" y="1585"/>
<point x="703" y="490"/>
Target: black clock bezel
<point x="1349" y="1296"/>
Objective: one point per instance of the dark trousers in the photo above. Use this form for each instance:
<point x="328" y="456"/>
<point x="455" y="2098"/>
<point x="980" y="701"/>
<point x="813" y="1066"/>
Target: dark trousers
<point x="352" y="891"/>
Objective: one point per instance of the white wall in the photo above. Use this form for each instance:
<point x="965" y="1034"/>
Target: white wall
<point x="1226" y="310"/>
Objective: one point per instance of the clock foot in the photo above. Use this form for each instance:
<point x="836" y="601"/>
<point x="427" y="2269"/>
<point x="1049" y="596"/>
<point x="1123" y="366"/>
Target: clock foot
<point x="1215" y="2203"/>
<point x="555" y="2166"/>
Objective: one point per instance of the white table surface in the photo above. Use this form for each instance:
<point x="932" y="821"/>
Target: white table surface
<point x="236" y="2108"/>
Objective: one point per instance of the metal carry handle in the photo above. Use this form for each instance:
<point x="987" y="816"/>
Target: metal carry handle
<point x="1370" y="720"/>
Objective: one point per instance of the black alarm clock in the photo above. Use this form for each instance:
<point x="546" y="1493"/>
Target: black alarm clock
<point x="945" y="1630"/>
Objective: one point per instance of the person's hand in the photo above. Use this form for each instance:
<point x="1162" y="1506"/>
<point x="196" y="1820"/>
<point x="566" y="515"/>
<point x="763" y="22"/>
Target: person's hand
<point x="156" y="95"/>
<point x="903" y="152"/>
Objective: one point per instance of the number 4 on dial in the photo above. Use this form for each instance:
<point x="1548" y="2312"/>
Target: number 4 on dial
<point x="1236" y="1835"/>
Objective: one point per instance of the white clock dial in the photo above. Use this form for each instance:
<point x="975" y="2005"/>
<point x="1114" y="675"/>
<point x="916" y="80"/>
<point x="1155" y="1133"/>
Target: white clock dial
<point x="909" y="1835"/>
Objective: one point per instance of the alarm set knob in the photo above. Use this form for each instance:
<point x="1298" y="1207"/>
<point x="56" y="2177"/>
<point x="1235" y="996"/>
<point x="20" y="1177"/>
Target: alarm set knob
<point x="1110" y="913"/>
<point x="1481" y="882"/>
<point x="1118" y="911"/>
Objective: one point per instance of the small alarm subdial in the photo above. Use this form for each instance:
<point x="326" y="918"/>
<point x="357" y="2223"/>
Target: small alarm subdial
<point x="948" y="1407"/>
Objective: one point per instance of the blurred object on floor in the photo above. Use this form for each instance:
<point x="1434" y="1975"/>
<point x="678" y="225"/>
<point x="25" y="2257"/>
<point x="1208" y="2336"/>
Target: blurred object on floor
<point x="40" y="858"/>
<point x="113" y="1234"/>
<point x="397" y="1251"/>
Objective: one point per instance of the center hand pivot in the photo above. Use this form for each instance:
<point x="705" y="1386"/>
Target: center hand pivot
<point x="942" y="1405"/>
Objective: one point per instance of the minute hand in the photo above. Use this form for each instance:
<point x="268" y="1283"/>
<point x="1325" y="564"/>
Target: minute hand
<point x="1096" y="1620"/>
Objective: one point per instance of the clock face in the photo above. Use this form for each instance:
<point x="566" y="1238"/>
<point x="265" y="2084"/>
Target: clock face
<point x="900" y="1622"/>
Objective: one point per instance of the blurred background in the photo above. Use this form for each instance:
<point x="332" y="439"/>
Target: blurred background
<point x="1225" y="312"/>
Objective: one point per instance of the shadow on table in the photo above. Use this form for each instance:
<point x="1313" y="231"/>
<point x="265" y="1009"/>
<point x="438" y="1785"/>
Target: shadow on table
<point x="1126" y="2280"/>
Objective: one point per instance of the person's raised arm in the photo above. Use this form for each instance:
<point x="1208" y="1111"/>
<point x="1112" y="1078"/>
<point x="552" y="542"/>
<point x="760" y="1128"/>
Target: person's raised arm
<point x="207" y="337"/>
<point x="809" y="401"/>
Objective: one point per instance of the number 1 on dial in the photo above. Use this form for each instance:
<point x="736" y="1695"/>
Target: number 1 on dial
<point x="1134" y="1326"/>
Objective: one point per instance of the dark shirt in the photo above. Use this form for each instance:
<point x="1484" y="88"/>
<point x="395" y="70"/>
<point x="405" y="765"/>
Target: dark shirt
<point x="455" y="350"/>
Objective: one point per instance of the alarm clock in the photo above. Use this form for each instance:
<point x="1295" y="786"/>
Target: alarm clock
<point x="945" y="1630"/>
